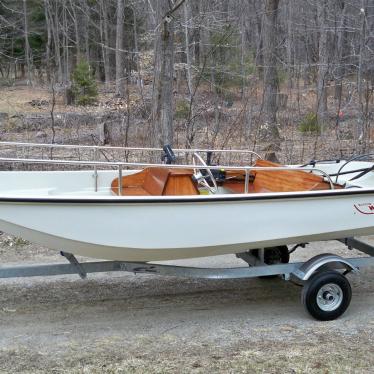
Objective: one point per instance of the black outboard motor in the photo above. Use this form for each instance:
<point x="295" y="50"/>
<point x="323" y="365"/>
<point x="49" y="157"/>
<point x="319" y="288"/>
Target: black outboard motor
<point x="168" y="156"/>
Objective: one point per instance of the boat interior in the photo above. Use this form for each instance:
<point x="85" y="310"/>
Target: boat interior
<point x="158" y="181"/>
<point x="174" y="178"/>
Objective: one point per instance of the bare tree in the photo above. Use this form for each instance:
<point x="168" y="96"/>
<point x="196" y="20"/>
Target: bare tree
<point x="361" y="117"/>
<point x="120" y="82"/>
<point x="56" y="36"/>
<point x="162" y="111"/>
<point x="323" y="62"/>
<point x="76" y="29"/>
<point x="270" y="131"/>
<point x="49" y="42"/>
<point x="27" y="45"/>
<point x="104" y="38"/>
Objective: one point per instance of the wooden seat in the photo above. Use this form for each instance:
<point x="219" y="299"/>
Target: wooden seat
<point x="157" y="181"/>
<point x="286" y="181"/>
<point x="278" y="181"/>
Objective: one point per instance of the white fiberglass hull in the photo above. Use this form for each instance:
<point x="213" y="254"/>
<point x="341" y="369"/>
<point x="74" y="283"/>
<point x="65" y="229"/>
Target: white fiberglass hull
<point x="166" y="228"/>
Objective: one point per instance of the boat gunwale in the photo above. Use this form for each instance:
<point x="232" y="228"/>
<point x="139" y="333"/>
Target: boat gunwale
<point x="186" y="199"/>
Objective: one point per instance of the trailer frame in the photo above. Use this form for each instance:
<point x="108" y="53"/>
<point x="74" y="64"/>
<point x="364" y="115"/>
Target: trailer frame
<point x="306" y="274"/>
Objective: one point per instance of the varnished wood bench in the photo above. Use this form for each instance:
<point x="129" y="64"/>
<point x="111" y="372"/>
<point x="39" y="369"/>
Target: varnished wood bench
<point x="157" y="181"/>
<point x="278" y="181"/>
<point x="286" y="181"/>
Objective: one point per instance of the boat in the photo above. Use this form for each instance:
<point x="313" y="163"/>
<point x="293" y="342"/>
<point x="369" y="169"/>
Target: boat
<point x="131" y="211"/>
<point x="132" y="215"/>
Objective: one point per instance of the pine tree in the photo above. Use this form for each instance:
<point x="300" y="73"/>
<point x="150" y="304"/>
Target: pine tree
<point x="84" y="87"/>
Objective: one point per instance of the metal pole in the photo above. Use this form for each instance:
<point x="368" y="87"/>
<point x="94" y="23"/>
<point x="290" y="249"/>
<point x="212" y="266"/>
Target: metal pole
<point x="246" y="183"/>
<point x="96" y="176"/>
<point x="95" y="168"/>
<point x="119" y="180"/>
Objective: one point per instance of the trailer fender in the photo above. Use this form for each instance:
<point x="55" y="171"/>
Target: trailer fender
<point x="323" y="261"/>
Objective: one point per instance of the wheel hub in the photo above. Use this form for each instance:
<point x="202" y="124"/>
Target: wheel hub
<point x="329" y="297"/>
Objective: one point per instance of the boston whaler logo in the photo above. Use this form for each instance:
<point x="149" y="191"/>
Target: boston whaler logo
<point x="367" y="208"/>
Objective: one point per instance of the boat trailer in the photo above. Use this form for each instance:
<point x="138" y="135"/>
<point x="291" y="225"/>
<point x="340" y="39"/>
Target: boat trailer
<point x="326" y="291"/>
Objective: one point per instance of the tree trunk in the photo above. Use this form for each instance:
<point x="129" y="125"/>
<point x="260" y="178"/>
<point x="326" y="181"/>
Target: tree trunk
<point x="339" y="58"/>
<point x="360" y="120"/>
<point x="120" y="82"/>
<point x="86" y="30"/>
<point x="242" y="48"/>
<point x="290" y="42"/>
<point x="269" y="131"/>
<point x="76" y="29"/>
<point x="139" y="80"/>
<point x="195" y="39"/>
<point x="162" y="113"/>
<point x="187" y="50"/>
<point x="323" y="63"/>
<point x="105" y="41"/>
<point x="259" y="57"/>
<point x="56" y="39"/>
<point x="65" y="47"/>
<point x="27" y="45"/>
<point x="49" y="42"/>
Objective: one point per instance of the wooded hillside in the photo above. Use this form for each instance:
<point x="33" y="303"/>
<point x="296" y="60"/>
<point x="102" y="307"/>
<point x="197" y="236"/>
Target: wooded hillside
<point x="190" y="72"/>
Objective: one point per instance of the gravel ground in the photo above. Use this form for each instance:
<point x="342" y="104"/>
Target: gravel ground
<point x="121" y="323"/>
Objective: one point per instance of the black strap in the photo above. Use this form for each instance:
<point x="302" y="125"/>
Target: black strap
<point x="363" y="173"/>
<point x="347" y="172"/>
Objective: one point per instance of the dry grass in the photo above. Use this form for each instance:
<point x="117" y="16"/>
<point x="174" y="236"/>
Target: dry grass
<point x="324" y="353"/>
<point x="17" y="99"/>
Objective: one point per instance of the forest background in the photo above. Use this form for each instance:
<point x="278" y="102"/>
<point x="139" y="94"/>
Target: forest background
<point x="290" y="78"/>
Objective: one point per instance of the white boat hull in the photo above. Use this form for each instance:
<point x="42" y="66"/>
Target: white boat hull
<point x="151" y="229"/>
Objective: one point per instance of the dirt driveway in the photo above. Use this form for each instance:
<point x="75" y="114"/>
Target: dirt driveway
<point x="121" y="323"/>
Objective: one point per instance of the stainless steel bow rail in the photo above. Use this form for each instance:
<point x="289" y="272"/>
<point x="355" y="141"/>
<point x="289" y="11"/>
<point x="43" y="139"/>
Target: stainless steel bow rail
<point x="318" y="273"/>
<point x="122" y="165"/>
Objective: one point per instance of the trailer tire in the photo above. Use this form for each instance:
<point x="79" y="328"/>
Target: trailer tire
<point x="326" y="295"/>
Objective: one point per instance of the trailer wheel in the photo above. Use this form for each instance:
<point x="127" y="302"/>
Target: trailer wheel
<point x="326" y="295"/>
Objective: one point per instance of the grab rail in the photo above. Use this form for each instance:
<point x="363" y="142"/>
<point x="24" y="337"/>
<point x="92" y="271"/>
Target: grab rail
<point x="121" y="165"/>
